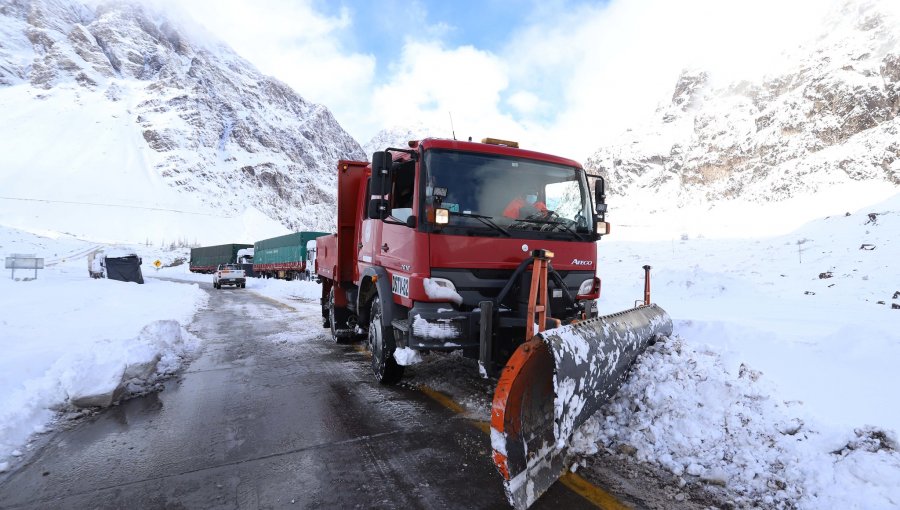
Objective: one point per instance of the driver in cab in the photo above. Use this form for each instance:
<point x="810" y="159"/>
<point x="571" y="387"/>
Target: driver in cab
<point x="524" y="206"/>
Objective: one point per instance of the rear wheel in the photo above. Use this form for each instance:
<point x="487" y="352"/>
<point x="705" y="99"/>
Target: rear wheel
<point x="381" y="343"/>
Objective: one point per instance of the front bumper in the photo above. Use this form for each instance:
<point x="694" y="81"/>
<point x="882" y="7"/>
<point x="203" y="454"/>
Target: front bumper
<point x="439" y="326"/>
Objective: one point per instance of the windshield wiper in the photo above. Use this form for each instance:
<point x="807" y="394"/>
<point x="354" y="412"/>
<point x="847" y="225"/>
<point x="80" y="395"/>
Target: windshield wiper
<point x="487" y="220"/>
<point x="555" y="223"/>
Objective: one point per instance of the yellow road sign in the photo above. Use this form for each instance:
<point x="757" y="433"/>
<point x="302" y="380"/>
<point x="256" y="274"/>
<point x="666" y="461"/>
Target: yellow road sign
<point x="157" y="263"/>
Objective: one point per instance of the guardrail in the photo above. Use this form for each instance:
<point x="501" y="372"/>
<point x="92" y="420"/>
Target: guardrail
<point x="24" y="261"/>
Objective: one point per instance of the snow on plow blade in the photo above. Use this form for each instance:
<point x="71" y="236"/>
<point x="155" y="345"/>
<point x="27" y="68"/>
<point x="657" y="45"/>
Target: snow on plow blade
<point x="552" y="384"/>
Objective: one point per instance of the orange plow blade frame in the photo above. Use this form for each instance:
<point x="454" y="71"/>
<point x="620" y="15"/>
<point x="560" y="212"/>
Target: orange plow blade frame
<point x="552" y="384"/>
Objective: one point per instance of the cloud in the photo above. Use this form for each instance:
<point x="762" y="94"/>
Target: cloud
<point x="568" y="79"/>
<point x="429" y="83"/>
<point x="524" y="102"/>
<point x="577" y="75"/>
<point x="608" y="68"/>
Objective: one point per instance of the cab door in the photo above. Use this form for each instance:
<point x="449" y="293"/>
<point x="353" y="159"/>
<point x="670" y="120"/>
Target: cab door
<point x="368" y="235"/>
<point x="396" y="243"/>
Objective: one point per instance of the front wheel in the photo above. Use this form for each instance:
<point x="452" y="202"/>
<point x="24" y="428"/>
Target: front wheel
<point x="337" y="335"/>
<point x="382" y="345"/>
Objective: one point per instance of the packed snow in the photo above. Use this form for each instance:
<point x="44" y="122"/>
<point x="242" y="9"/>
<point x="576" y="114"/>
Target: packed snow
<point x="441" y="329"/>
<point x="441" y="290"/>
<point x="406" y="356"/>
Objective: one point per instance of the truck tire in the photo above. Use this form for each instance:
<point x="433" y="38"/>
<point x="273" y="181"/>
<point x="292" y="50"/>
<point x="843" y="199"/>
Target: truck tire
<point x="381" y="343"/>
<point x="331" y="319"/>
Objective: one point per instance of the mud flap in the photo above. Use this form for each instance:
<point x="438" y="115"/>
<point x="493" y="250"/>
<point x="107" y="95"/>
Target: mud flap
<point x="552" y="384"/>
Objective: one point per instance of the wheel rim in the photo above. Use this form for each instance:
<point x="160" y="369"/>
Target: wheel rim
<point x="331" y="314"/>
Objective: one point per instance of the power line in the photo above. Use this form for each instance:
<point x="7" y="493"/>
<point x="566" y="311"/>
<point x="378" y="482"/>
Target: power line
<point x="112" y="205"/>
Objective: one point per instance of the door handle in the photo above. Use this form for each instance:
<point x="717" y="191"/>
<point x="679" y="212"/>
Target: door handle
<point x="385" y="247"/>
<point x="359" y="246"/>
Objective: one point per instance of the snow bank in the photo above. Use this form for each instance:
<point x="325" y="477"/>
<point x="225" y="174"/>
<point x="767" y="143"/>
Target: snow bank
<point x="685" y="411"/>
<point x="69" y="339"/>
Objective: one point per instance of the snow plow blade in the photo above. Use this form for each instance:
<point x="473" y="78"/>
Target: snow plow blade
<point x="552" y="384"/>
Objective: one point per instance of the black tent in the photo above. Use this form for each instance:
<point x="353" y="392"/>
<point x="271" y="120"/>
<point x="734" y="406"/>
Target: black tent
<point x="125" y="269"/>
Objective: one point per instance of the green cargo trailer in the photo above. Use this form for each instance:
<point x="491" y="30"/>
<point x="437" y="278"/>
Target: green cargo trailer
<point x="283" y="256"/>
<point x="207" y="258"/>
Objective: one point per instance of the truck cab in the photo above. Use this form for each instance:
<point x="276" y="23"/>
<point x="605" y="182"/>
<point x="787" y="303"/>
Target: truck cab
<point x="435" y="241"/>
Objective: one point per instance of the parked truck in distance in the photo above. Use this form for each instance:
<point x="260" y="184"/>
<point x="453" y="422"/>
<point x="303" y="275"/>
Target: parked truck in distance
<point x="245" y="259"/>
<point x="311" y="260"/>
<point x="283" y="257"/>
<point x="207" y="259"/>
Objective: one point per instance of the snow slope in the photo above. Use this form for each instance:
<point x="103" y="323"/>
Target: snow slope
<point x="113" y="106"/>
<point x="103" y="190"/>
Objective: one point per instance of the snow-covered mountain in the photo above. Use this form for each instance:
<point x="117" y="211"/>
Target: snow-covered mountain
<point x="833" y="120"/>
<point x="115" y="100"/>
<point x="399" y="136"/>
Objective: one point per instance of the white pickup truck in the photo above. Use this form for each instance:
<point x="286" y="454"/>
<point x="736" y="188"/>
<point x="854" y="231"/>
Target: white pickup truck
<point x="229" y="274"/>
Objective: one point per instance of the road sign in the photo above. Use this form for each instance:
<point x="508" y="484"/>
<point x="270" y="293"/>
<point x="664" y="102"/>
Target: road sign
<point x="157" y="263"/>
<point x="24" y="261"/>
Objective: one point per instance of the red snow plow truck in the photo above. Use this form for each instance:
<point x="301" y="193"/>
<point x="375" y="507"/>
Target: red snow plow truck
<point x="489" y="249"/>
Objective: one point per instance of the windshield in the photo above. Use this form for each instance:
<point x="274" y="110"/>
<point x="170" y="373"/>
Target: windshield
<point x="505" y="196"/>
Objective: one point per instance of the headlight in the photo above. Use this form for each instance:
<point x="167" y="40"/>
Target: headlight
<point x="443" y="282"/>
<point x="586" y="287"/>
<point x="589" y="289"/>
<point x="441" y="289"/>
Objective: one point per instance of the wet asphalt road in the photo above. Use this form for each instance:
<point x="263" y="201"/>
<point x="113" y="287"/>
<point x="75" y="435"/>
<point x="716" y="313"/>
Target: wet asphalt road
<point x="271" y="414"/>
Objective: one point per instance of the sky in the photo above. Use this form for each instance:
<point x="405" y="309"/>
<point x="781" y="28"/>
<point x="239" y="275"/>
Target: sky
<point x="560" y="76"/>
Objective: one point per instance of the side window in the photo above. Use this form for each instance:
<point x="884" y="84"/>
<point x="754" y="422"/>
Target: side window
<point x="368" y="195"/>
<point x="402" y="190"/>
<point x="564" y="198"/>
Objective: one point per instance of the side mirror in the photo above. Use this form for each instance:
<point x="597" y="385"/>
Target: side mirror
<point x="378" y="208"/>
<point x="380" y="183"/>
<point x="411" y="221"/>
<point x="600" y="196"/>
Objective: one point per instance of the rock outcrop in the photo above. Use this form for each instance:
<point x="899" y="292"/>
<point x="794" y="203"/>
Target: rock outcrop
<point x="833" y="120"/>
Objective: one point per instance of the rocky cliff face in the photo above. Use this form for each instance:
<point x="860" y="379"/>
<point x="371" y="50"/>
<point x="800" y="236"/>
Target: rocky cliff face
<point x="833" y="120"/>
<point x="217" y="128"/>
